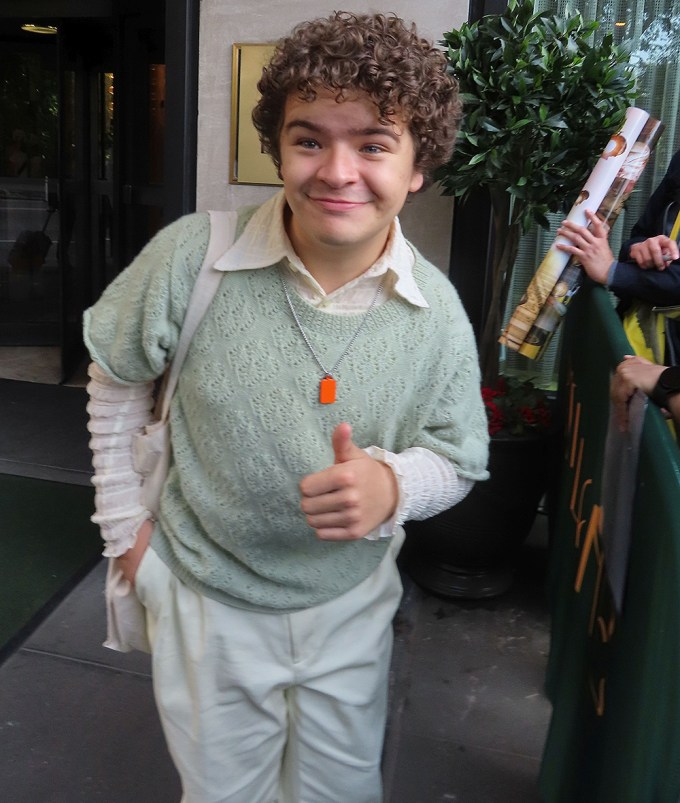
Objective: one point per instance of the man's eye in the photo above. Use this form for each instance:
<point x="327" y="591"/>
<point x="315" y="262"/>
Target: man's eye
<point x="308" y="143"/>
<point x="373" y="149"/>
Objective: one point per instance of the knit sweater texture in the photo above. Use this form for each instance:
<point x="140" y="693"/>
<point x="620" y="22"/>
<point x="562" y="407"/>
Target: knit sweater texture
<point x="246" y="422"/>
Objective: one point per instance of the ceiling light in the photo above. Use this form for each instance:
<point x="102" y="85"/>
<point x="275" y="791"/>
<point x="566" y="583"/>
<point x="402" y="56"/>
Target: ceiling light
<point x="47" y="29"/>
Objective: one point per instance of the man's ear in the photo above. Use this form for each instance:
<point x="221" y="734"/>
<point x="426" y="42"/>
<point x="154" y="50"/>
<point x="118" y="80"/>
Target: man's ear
<point x="417" y="181"/>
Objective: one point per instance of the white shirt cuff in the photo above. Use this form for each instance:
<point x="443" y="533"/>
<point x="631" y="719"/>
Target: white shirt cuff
<point x="427" y="484"/>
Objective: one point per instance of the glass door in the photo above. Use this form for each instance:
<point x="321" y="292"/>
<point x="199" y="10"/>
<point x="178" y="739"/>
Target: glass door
<point x="87" y="163"/>
<point x="82" y="133"/>
<point x="30" y="294"/>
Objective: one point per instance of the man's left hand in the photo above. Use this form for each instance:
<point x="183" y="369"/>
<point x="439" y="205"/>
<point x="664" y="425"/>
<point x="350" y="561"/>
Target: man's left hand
<point x="352" y="497"/>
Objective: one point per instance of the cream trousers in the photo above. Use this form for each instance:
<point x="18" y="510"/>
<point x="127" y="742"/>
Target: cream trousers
<point x="273" y="708"/>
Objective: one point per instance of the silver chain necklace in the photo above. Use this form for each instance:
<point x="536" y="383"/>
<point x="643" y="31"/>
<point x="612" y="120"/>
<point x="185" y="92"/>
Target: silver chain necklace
<point x="328" y="384"/>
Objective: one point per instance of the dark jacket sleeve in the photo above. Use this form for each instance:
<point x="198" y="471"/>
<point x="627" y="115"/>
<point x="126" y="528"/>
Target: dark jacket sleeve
<point x="651" y="220"/>
<point x="658" y="287"/>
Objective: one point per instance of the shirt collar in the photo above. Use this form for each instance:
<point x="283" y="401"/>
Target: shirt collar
<point x="264" y="242"/>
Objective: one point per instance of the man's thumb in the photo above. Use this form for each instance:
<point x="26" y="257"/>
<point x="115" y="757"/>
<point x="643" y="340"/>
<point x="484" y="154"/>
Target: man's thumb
<point x="343" y="446"/>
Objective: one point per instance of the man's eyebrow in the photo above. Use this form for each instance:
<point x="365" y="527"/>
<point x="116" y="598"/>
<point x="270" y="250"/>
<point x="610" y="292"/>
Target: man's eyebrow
<point x="373" y="131"/>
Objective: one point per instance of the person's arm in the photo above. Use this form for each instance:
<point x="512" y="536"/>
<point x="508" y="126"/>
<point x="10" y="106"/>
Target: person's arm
<point x="368" y="493"/>
<point x="117" y="412"/>
<point x="349" y="499"/>
<point x="589" y="245"/>
<point x="647" y="249"/>
<point x="131" y="333"/>
<point x="654" y="253"/>
<point x="637" y="373"/>
<point x="674" y="409"/>
<point x="428" y="484"/>
<point x="660" y="288"/>
<point x="648" y="224"/>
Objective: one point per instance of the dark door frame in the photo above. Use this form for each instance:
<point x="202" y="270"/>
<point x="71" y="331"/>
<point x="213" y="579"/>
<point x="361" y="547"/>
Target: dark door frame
<point x="181" y="65"/>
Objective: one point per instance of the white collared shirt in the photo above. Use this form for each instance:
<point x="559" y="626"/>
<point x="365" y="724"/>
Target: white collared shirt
<point x="265" y="242"/>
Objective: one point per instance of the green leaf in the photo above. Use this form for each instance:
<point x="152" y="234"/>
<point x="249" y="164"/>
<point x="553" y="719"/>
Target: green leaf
<point x="487" y="125"/>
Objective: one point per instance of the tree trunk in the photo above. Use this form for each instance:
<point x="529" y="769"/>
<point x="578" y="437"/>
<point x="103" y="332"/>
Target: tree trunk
<point x="507" y="233"/>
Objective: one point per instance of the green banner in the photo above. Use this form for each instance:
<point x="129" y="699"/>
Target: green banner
<point x="613" y="679"/>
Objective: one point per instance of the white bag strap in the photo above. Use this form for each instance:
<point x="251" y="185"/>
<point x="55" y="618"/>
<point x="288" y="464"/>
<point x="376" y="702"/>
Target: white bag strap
<point x="222" y="232"/>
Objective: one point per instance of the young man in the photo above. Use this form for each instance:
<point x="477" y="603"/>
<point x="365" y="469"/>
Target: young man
<point x="330" y="393"/>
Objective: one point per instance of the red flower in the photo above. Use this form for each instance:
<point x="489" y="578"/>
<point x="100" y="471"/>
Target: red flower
<point x="488" y="394"/>
<point x="516" y="407"/>
<point x="528" y="415"/>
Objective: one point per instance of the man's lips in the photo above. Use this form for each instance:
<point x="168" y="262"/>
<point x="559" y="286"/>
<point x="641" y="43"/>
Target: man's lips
<point x="337" y="204"/>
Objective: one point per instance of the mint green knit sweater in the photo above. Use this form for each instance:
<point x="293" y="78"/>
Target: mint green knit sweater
<point x="246" y="421"/>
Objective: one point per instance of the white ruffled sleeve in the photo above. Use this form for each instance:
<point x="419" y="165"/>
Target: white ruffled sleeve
<point x="428" y="484"/>
<point x="117" y="412"/>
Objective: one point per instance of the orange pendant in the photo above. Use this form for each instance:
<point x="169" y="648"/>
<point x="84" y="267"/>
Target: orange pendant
<point x="327" y="390"/>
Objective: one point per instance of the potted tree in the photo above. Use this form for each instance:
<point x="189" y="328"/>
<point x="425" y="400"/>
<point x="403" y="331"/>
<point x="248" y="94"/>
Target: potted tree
<point x="541" y="99"/>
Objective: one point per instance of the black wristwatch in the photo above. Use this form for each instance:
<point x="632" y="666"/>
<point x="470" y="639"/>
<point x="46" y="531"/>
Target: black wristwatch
<point x="668" y="385"/>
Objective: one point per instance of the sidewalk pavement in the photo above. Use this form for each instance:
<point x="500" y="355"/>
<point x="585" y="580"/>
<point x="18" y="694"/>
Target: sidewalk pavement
<point x="468" y="715"/>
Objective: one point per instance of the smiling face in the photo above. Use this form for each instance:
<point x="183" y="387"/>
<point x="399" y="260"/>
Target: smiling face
<point x="345" y="175"/>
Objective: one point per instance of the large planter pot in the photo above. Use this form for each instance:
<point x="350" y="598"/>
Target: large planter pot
<point x="469" y="551"/>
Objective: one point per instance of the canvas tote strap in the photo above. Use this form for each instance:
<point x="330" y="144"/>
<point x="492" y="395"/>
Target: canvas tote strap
<point x="222" y="232"/>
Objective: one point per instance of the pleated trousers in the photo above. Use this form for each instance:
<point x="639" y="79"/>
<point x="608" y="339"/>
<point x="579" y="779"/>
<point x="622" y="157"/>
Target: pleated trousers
<point x="269" y="707"/>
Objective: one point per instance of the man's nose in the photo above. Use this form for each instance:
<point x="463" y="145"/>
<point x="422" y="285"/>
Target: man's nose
<point x="338" y="166"/>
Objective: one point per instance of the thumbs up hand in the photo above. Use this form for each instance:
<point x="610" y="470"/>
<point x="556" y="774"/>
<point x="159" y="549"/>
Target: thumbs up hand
<point x="349" y="499"/>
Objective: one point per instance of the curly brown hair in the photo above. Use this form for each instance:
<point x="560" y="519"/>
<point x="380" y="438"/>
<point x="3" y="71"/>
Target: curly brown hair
<point x="401" y="72"/>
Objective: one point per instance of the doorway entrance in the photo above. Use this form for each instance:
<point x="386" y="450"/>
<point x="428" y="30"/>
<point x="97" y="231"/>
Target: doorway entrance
<point x="84" y="143"/>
